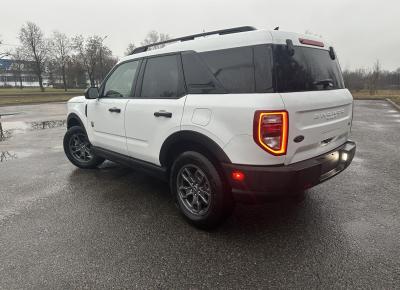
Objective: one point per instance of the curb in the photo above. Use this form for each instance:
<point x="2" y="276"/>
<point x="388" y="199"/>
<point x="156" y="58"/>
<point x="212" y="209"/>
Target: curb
<point x="393" y="104"/>
<point x="34" y="103"/>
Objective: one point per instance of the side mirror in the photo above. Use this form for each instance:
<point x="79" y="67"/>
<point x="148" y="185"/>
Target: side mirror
<point x="92" y="93"/>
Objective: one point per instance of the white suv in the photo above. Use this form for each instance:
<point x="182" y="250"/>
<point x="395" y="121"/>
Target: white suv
<point x="230" y="115"/>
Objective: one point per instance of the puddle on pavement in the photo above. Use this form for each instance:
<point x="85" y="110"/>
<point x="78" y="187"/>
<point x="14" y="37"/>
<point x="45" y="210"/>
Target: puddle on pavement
<point x="8" y="129"/>
<point x="41" y="125"/>
<point x="4" y="134"/>
<point x="7" y="155"/>
<point x="11" y="155"/>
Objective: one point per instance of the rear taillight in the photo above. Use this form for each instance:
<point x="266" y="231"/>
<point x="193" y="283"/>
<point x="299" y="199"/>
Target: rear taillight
<point x="270" y="131"/>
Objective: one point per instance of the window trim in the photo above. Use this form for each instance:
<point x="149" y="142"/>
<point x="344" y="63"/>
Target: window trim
<point x="182" y="91"/>
<point x="134" y="82"/>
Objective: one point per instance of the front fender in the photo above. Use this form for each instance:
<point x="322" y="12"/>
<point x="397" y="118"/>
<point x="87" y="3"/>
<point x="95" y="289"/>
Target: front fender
<point x="76" y="113"/>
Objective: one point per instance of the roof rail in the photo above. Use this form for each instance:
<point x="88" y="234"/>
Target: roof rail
<point x="191" y="37"/>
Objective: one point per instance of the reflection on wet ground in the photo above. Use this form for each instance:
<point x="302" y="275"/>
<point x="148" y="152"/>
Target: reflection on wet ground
<point x="8" y="129"/>
<point x="41" y="125"/>
<point x="7" y="155"/>
<point x="4" y="134"/>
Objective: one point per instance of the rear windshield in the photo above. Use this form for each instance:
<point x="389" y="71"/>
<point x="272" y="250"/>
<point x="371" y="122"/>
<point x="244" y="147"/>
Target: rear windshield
<point x="308" y="69"/>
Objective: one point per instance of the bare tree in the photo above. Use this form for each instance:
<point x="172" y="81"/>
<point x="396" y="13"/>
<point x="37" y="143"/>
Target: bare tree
<point x="153" y="37"/>
<point x="375" y="78"/>
<point x="18" y="65"/>
<point x="61" y="48"/>
<point x="2" y="52"/>
<point x="76" y="72"/>
<point x="94" y="56"/>
<point x="355" y="80"/>
<point x="131" y="47"/>
<point x="36" y="47"/>
<point x="87" y="57"/>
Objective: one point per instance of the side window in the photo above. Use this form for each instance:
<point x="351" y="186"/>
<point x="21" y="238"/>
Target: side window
<point x="120" y="82"/>
<point x="162" y="78"/>
<point x="263" y="68"/>
<point x="199" y="78"/>
<point x="233" y="68"/>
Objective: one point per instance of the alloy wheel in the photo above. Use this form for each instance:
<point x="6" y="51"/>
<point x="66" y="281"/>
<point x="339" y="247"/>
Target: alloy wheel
<point x="80" y="148"/>
<point x="194" y="189"/>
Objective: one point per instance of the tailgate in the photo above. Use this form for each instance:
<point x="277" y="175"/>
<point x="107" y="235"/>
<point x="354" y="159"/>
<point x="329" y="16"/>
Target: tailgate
<point x="321" y="118"/>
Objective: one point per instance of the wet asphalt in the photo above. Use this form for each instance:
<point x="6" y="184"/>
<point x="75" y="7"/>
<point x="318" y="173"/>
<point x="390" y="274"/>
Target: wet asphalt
<point x="62" y="227"/>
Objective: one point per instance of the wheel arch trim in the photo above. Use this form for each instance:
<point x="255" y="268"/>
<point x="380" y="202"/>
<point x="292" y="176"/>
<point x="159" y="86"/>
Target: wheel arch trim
<point x="192" y="137"/>
<point x="74" y="116"/>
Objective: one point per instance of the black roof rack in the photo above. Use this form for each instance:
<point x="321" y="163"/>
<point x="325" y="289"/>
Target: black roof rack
<point x="191" y="37"/>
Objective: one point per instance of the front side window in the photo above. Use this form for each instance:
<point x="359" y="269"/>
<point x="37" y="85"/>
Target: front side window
<point x="161" y="78"/>
<point x="120" y="82"/>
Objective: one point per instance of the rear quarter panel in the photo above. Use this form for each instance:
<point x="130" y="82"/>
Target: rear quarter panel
<point x="228" y="120"/>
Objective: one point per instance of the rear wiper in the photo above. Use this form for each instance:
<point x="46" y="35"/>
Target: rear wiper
<point x="326" y="83"/>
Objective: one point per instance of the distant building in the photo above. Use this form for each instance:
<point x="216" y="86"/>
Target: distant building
<point x="14" y="73"/>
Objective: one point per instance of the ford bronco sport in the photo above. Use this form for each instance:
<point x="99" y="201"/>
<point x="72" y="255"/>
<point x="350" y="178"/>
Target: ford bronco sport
<point x="230" y="115"/>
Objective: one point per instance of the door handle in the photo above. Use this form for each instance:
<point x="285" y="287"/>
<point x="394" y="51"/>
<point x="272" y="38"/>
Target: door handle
<point x="115" y="110"/>
<point x="163" y="114"/>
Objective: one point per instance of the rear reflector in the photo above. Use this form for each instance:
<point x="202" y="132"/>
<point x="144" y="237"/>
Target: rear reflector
<point x="311" y="42"/>
<point x="238" y="175"/>
<point x="270" y="131"/>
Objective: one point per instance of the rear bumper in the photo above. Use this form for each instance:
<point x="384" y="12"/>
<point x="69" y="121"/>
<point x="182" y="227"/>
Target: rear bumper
<point x="264" y="181"/>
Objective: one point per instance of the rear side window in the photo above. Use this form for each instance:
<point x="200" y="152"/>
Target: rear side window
<point x="308" y="69"/>
<point x="162" y="78"/>
<point x="199" y="78"/>
<point x="235" y="70"/>
<point x="263" y="68"/>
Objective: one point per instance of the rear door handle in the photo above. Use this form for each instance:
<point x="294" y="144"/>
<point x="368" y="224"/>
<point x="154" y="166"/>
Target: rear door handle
<point x="163" y="114"/>
<point x="115" y="110"/>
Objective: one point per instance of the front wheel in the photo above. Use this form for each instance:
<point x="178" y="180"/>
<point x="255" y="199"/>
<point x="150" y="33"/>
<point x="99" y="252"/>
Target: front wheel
<point x="79" y="150"/>
<point x="200" y="191"/>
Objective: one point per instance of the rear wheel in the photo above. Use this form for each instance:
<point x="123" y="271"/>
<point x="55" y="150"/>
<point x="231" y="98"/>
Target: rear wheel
<point x="79" y="150"/>
<point x="199" y="190"/>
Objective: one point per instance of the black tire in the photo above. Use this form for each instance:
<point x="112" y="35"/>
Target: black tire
<point x="220" y="201"/>
<point x="88" y="159"/>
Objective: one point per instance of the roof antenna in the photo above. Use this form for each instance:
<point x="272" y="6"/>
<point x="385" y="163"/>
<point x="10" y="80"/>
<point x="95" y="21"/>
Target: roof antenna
<point x="276" y="28"/>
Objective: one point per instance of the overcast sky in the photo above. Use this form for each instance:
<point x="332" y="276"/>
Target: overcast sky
<point x="362" y="31"/>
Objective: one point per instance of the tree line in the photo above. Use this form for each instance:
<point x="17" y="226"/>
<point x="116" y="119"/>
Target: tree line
<point x="75" y="60"/>
<point x="372" y="79"/>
